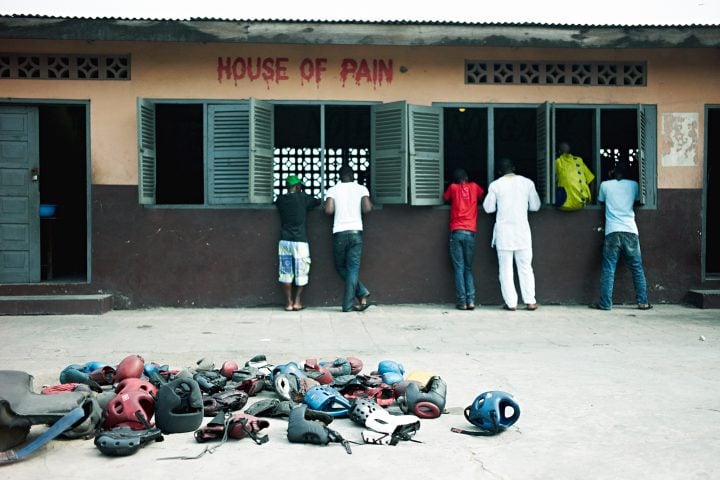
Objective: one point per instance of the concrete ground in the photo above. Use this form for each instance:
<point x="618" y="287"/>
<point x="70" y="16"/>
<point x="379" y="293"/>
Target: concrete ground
<point x="622" y="394"/>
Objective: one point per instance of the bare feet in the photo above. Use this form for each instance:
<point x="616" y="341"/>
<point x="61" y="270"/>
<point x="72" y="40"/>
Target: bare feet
<point x="297" y="307"/>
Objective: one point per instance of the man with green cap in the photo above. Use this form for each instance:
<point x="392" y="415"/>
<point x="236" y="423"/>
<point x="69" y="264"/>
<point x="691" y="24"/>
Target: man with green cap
<point x="293" y="248"/>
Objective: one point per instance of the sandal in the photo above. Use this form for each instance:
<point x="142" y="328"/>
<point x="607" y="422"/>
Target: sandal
<point x="644" y="306"/>
<point x="509" y="309"/>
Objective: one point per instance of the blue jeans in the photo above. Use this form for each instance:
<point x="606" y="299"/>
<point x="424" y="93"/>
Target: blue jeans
<point x="462" y="251"/>
<point x="347" y="252"/>
<point x="627" y="245"/>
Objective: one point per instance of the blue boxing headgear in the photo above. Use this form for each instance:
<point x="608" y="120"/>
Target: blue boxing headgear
<point x="489" y="412"/>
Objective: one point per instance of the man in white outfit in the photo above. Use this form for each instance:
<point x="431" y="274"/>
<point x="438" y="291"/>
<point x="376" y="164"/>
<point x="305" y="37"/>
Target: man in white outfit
<point x="512" y="196"/>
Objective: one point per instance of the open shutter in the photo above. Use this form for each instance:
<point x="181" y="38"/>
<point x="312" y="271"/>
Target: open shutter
<point x="647" y="152"/>
<point x="426" y="155"/>
<point x="262" y="146"/>
<point x="228" y="153"/>
<point x="146" y="151"/>
<point x="388" y="152"/>
<point x="545" y="183"/>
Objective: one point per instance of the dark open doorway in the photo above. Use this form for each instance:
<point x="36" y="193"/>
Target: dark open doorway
<point x="465" y="143"/>
<point x="63" y="182"/>
<point x="712" y="192"/>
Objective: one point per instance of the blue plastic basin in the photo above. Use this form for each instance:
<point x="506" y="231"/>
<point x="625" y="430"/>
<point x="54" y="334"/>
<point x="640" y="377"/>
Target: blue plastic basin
<point x="47" y="210"/>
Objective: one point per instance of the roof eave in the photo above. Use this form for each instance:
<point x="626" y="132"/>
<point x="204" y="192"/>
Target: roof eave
<point x="360" y="33"/>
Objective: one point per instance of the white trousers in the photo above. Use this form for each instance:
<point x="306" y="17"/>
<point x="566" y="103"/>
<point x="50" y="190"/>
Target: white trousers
<point x="523" y="260"/>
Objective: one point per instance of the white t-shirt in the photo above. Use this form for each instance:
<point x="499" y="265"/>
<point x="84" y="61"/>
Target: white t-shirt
<point x="348" y="205"/>
<point x="512" y="196"/>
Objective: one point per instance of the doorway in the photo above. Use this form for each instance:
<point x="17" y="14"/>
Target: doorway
<point x="50" y="182"/>
<point x="712" y="193"/>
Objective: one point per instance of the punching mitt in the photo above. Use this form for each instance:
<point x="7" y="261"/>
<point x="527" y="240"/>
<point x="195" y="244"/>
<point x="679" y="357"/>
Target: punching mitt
<point x="123" y="441"/>
<point x="327" y="399"/>
<point x="303" y="430"/>
<point x="131" y="366"/>
<point x="132" y="409"/>
<point x="210" y="381"/>
<point x="179" y="406"/>
<point x="489" y="412"/>
<point x="229" y="401"/>
<point x="238" y="426"/>
<point x="391" y="372"/>
<point x="75" y="374"/>
<point x="317" y="372"/>
<point x="426" y="403"/>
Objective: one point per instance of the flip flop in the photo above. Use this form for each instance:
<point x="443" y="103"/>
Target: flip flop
<point x="289" y="309"/>
<point x="644" y="306"/>
<point x="505" y="307"/>
<point x="295" y="309"/>
<point x="361" y="308"/>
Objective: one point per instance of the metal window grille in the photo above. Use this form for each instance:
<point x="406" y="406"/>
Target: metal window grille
<point x="64" y="66"/>
<point x="306" y="163"/>
<point x="619" y="74"/>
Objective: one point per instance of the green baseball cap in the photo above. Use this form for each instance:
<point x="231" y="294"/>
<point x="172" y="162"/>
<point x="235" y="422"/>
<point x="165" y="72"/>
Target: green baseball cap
<point x="293" y="180"/>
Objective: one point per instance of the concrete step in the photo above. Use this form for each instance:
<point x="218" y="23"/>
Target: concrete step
<point x="55" y="304"/>
<point x="704" y="298"/>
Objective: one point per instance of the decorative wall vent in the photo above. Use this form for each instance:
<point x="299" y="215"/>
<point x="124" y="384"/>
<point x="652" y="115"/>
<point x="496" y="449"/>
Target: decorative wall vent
<point x="64" y="66"/>
<point x="611" y="74"/>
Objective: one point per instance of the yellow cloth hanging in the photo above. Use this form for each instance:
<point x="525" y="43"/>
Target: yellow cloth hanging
<point x="574" y="176"/>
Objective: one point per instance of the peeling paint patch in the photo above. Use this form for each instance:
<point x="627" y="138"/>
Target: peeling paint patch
<point x="679" y="140"/>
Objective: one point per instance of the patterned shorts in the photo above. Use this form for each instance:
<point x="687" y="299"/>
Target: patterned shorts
<point x="294" y="262"/>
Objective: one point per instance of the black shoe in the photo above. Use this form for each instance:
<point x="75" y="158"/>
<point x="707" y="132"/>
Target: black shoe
<point x="596" y="306"/>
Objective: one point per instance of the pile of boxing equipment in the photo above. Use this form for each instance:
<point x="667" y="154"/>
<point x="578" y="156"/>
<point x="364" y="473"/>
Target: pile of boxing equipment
<point x="141" y="401"/>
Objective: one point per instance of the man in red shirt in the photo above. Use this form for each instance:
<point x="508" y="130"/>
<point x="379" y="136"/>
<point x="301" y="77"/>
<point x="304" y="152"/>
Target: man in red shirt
<point x="464" y="197"/>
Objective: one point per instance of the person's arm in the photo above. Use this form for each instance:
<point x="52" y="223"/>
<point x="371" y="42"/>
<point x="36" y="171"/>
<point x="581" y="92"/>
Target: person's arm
<point x="534" y="202"/>
<point x="480" y="192"/>
<point x="329" y="206"/>
<point x="367" y="205"/>
<point x="490" y="203"/>
<point x="446" y="195"/>
<point x="313" y="202"/>
<point x="601" y="193"/>
<point x="589" y="176"/>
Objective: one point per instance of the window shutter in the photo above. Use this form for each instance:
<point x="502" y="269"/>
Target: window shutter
<point x="545" y="183"/>
<point x="426" y="155"/>
<point x="388" y="152"/>
<point x="146" y="151"/>
<point x="262" y="145"/>
<point x="647" y="152"/>
<point x="228" y="140"/>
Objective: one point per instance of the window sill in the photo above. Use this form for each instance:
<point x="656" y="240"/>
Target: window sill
<point x="239" y="206"/>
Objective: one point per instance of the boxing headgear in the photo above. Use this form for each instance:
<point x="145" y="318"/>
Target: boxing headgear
<point x="130" y="409"/>
<point x="132" y="384"/>
<point x="131" y="366"/>
<point x="489" y="411"/>
<point x="179" y="406"/>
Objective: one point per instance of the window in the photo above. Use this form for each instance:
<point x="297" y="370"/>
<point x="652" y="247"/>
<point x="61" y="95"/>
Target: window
<point x="514" y="72"/>
<point x="302" y="149"/>
<point x="202" y="153"/>
<point x="478" y="136"/>
<point x="241" y="152"/>
<point x="64" y="66"/>
<point x="602" y="135"/>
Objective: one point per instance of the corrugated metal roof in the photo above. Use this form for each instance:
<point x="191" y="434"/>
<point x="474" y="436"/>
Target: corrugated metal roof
<point x="358" y="32"/>
<point x="363" y="22"/>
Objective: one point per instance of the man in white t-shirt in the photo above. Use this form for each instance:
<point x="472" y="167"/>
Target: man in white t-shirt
<point x="512" y="196"/>
<point x="348" y="200"/>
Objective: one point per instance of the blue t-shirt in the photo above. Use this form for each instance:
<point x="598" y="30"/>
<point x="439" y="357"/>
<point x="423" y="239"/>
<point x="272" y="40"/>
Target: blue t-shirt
<point x="619" y="197"/>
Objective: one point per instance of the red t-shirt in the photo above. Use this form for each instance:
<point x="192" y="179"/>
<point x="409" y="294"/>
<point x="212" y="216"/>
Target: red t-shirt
<point x="463" y="198"/>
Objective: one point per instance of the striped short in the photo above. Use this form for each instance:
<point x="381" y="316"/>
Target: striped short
<point x="294" y="262"/>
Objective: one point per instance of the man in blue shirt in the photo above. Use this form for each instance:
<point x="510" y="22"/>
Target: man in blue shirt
<point x="621" y="238"/>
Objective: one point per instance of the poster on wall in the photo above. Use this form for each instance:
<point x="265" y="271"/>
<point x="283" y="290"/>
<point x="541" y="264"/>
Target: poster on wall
<point x="679" y="146"/>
